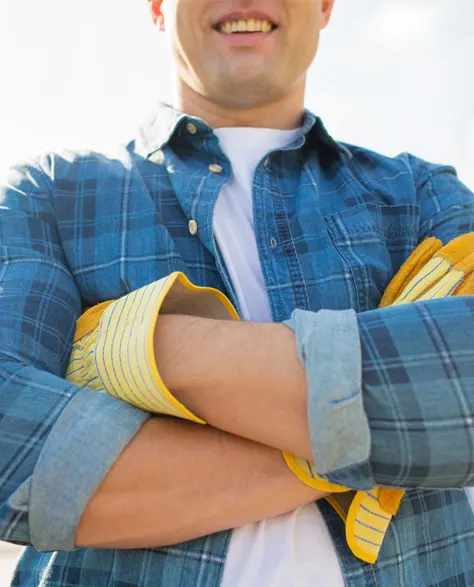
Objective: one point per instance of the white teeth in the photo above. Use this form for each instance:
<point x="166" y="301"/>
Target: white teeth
<point x="252" y="25"/>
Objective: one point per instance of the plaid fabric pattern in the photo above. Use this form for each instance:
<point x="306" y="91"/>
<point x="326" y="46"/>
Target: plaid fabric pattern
<point x="333" y="224"/>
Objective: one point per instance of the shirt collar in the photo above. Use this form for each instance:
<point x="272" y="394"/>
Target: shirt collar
<point x="165" y="122"/>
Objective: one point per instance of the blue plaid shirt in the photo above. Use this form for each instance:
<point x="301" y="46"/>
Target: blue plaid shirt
<point x="333" y="224"/>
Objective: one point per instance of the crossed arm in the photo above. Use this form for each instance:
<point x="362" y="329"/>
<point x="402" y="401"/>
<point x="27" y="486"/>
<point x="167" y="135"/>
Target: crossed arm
<point x="146" y="481"/>
<point x="177" y="481"/>
<point x="202" y="479"/>
<point x="400" y="415"/>
<point x="248" y="380"/>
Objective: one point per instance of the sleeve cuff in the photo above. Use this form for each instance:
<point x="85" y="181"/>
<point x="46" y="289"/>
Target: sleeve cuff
<point x="124" y="351"/>
<point x="328" y="344"/>
<point x="82" y="446"/>
<point x="125" y="354"/>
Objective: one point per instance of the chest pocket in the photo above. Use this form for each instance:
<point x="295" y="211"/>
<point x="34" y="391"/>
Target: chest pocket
<point x="373" y="240"/>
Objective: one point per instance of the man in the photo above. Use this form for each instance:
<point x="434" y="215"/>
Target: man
<point x="242" y="190"/>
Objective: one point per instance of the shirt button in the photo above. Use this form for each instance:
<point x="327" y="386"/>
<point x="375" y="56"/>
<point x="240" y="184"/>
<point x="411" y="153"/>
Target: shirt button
<point x="193" y="227"/>
<point x="191" y="128"/>
<point x="214" y="168"/>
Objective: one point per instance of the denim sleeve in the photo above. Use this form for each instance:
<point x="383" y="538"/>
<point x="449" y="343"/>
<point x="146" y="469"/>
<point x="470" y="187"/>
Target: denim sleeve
<point x="57" y="442"/>
<point x="446" y="204"/>
<point x="391" y="391"/>
<point x="329" y="349"/>
<point x="418" y="388"/>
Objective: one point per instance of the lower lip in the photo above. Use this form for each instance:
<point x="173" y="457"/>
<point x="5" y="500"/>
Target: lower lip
<point x="248" y="39"/>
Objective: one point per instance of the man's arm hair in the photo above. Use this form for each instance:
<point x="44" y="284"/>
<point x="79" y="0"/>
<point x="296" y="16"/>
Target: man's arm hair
<point x="385" y="397"/>
<point x="177" y="481"/>
<point x="247" y="379"/>
<point x="241" y="377"/>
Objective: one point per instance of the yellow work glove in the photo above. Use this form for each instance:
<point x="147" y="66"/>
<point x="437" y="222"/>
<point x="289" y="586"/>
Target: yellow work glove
<point x="432" y="271"/>
<point x="113" y="348"/>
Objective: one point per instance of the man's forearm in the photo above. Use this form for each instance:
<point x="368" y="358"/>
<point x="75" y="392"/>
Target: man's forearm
<point x="367" y="379"/>
<point x="177" y="481"/>
<point x="241" y="377"/>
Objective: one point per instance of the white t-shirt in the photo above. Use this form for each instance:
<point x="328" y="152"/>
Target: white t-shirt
<point x="294" y="549"/>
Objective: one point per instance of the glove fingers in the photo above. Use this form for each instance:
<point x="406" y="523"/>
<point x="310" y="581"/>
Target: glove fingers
<point x="453" y="279"/>
<point x="458" y="249"/>
<point x="444" y="287"/>
<point x="366" y="525"/>
<point x="420" y="256"/>
<point x="367" y="515"/>
<point x="466" y="265"/>
<point x="467" y="287"/>
<point x="425" y="279"/>
<point x="448" y="257"/>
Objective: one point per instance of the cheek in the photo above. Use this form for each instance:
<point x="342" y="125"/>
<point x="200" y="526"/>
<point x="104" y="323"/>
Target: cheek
<point x="186" y="45"/>
<point x="302" y="46"/>
<point x="184" y="31"/>
<point x="307" y="18"/>
<point x="193" y="58"/>
<point x="307" y="35"/>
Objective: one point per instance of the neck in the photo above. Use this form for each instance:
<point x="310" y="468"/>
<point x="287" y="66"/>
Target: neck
<point x="284" y="114"/>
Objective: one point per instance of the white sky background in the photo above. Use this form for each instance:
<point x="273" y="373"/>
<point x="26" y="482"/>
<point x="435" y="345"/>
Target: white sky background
<point x="391" y="75"/>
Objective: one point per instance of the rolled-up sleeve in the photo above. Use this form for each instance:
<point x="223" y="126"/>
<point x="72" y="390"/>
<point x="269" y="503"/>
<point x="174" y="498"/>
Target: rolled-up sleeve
<point x="57" y="441"/>
<point x="85" y="441"/>
<point x="328" y="345"/>
<point x="391" y="394"/>
<point x="391" y="391"/>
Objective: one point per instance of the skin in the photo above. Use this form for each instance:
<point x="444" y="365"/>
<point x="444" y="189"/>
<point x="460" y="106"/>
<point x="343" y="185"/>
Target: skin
<point x="226" y="85"/>
<point x="140" y="502"/>
<point x="226" y="479"/>
<point x="246" y="379"/>
<point x="147" y="501"/>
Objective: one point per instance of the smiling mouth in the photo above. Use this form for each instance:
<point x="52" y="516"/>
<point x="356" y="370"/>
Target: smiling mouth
<point x="245" y="27"/>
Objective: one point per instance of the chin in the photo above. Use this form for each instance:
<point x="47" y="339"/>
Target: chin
<point x="249" y="94"/>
